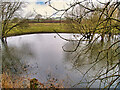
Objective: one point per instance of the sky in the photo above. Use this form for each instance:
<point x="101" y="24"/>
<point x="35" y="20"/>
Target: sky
<point x="39" y="6"/>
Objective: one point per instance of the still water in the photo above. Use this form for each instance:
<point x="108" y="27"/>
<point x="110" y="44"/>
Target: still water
<point x="42" y="56"/>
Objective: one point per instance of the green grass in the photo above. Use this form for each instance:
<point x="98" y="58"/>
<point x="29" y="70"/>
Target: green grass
<point x="47" y="28"/>
<point x="40" y="28"/>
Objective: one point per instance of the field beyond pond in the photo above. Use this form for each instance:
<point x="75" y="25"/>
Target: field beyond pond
<point x="40" y="28"/>
<point x="32" y="28"/>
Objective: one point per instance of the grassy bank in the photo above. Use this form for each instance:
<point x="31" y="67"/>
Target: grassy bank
<point x="40" y="28"/>
<point x="48" y="28"/>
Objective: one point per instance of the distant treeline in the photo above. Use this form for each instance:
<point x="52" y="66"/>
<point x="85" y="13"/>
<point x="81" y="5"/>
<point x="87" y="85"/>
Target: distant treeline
<point x="48" y="21"/>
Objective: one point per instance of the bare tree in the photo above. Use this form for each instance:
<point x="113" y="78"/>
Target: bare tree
<point x="10" y="10"/>
<point x="38" y="17"/>
<point x="94" y="22"/>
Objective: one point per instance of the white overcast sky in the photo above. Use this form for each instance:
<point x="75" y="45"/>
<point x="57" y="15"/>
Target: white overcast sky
<point x="44" y="9"/>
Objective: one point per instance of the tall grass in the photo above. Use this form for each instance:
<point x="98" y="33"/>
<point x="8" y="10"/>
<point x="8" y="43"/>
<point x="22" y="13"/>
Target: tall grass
<point x="8" y="82"/>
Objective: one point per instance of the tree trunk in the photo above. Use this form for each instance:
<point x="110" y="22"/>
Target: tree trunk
<point x="102" y="39"/>
<point x="119" y="60"/>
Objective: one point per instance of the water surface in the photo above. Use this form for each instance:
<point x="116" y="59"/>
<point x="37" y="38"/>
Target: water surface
<point x="41" y="56"/>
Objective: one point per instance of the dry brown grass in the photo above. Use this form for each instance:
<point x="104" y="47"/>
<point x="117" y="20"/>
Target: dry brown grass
<point x="7" y="82"/>
<point x="52" y="83"/>
<point x="21" y="82"/>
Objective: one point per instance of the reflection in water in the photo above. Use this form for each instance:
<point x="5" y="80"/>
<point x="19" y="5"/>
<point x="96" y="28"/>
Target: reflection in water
<point x="41" y="56"/>
<point x="97" y="64"/>
<point x="11" y="61"/>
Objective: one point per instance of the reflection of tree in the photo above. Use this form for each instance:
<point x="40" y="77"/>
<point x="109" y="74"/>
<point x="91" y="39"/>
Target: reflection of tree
<point x="14" y="69"/>
<point x="12" y="58"/>
<point x="94" y="65"/>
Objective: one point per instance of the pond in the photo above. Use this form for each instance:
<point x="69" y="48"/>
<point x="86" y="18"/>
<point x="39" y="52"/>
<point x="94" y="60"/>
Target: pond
<point x="43" y="56"/>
